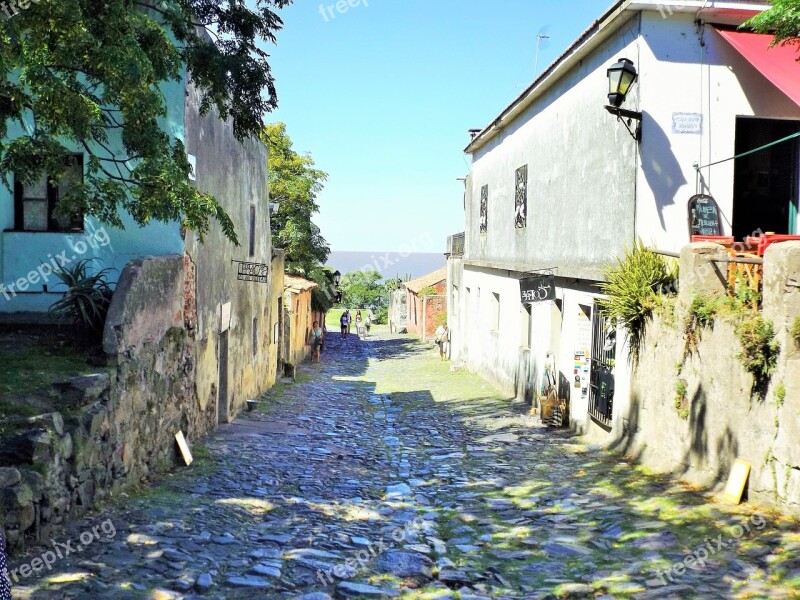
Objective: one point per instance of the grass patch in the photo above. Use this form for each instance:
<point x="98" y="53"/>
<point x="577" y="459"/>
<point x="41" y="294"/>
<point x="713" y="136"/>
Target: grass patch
<point x="36" y="367"/>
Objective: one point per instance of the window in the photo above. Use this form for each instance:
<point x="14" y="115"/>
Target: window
<point x="525" y="323"/>
<point x="252" y="230"/>
<point x="521" y="198"/>
<point x="766" y="184"/>
<point x="484" y="222"/>
<point x="35" y="204"/>
<point x="255" y="336"/>
<point x="495" y="312"/>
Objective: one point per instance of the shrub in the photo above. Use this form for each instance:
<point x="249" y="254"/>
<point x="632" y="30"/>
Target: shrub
<point x="760" y="350"/>
<point x="780" y="394"/>
<point x="795" y="332"/>
<point x="701" y="315"/>
<point x="681" y="401"/>
<point x="633" y="286"/>
<point x="86" y="301"/>
<point x="381" y="315"/>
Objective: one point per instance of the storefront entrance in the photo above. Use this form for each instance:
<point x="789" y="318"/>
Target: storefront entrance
<point x="766" y="183"/>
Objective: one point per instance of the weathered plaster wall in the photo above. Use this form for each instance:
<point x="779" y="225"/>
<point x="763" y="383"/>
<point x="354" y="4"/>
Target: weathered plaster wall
<point x="236" y="174"/>
<point x="725" y="420"/>
<point x="22" y="251"/>
<point x="684" y="69"/>
<point x="579" y="190"/>
<point x="398" y="311"/>
<point x="456" y="317"/>
<point x="300" y="318"/>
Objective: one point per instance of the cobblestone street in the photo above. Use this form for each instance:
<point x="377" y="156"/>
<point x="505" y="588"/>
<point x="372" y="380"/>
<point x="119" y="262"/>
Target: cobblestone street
<point x="380" y="473"/>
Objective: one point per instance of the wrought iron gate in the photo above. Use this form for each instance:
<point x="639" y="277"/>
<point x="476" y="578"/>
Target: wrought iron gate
<point x="601" y="377"/>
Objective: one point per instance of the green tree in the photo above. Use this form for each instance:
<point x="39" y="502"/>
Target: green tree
<point x="782" y="20"/>
<point x="87" y="74"/>
<point x="362" y="289"/>
<point x="294" y="185"/>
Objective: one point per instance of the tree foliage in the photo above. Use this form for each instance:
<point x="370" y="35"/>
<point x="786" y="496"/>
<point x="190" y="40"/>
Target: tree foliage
<point x="86" y="74"/>
<point x="294" y="183"/>
<point x="363" y="289"/>
<point x="782" y="20"/>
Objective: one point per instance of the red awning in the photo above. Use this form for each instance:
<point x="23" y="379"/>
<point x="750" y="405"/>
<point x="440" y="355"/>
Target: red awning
<point x="778" y="64"/>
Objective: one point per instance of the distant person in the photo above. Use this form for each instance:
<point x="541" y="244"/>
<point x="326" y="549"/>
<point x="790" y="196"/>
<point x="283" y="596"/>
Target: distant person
<point x="442" y="339"/>
<point x="344" y="321"/>
<point x="349" y="321"/>
<point x="317" y="337"/>
<point x="359" y="324"/>
<point x="368" y="324"/>
<point x="5" y="581"/>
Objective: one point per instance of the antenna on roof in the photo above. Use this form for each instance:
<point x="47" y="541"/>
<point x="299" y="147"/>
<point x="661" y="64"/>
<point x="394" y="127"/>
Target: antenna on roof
<point x="542" y="35"/>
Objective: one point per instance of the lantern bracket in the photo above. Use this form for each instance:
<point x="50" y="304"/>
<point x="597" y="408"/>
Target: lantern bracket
<point x="627" y="117"/>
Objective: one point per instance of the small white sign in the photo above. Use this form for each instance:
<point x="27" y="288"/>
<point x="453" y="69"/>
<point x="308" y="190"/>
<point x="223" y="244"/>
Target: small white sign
<point x="224" y="317"/>
<point x="687" y="123"/>
<point x="193" y="164"/>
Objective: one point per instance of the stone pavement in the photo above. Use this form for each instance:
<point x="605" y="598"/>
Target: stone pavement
<point x="380" y="473"/>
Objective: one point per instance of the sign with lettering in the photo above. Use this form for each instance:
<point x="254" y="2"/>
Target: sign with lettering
<point x="704" y="217"/>
<point x="537" y="289"/>
<point x="687" y="123"/>
<point x="255" y="272"/>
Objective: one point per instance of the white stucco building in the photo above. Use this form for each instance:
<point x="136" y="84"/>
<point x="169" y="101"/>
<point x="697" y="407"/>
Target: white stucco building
<point x="558" y="183"/>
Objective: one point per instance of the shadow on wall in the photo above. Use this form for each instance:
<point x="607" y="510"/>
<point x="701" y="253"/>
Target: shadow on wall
<point x="661" y="169"/>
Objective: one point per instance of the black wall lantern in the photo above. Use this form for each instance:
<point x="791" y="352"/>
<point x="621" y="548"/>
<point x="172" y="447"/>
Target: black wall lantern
<point x="337" y="277"/>
<point x="621" y="76"/>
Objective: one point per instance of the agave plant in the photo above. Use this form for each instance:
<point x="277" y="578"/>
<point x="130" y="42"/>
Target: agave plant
<point x="86" y="300"/>
<point x="633" y="286"/>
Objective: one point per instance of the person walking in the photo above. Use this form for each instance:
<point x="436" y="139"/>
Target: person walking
<point x="344" y="321"/>
<point x="317" y="336"/>
<point x="367" y="324"/>
<point x="5" y="581"/>
<point x="349" y="321"/>
<point x="359" y="324"/>
<point x="442" y="339"/>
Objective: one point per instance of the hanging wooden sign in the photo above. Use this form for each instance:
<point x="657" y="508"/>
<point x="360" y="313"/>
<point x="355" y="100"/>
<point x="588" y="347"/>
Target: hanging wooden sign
<point x="537" y="289"/>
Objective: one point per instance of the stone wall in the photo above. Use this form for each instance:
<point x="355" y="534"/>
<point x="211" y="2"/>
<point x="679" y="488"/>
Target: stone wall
<point x="115" y="428"/>
<point x="722" y="419"/>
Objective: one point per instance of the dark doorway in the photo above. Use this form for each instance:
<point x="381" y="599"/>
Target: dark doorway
<point x="765" y="189"/>
<point x="222" y="399"/>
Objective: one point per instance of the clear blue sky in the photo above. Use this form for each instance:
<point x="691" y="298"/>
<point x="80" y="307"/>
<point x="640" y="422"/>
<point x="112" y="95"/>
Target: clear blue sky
<point x="382" y="97"/>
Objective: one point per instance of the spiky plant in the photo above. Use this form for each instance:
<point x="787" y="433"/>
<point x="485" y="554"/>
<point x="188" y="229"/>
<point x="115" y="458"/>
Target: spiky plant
<point x="633" y="286"/>
<point x="87" y="299"/>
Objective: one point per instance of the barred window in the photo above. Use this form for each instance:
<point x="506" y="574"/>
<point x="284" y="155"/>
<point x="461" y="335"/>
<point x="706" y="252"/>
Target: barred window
<point x="521" y="198"/>
<point x="484" y="222"/>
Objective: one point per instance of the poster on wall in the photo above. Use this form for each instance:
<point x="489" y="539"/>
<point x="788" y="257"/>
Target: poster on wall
<point x="582" y="354"/>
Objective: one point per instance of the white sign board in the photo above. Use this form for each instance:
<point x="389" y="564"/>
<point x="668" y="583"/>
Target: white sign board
<point x="224" y="317"/>
<point x="687" y="123"/>
<point x="193" y="164"/>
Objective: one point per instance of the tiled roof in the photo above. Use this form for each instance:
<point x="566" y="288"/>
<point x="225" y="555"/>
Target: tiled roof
<point x="297" y="284"/>
<point x="426" y="281"/>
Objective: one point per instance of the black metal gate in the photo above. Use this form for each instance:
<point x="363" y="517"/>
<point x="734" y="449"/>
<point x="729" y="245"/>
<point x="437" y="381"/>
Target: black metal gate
<point x="601" y="376"/>
<point x="222" y="401"/>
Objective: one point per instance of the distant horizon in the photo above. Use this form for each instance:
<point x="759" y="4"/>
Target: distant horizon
<point x="388" y="264"/>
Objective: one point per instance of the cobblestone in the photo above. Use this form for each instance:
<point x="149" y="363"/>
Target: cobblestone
<point x="383" y="473"/>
